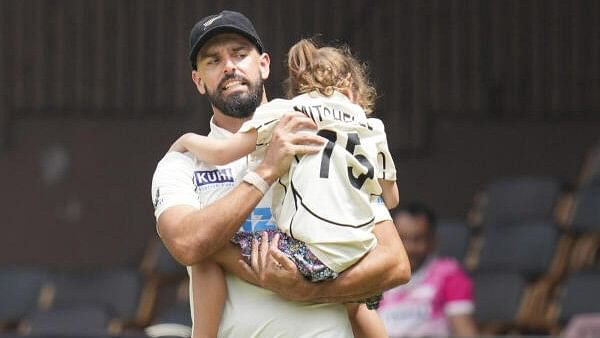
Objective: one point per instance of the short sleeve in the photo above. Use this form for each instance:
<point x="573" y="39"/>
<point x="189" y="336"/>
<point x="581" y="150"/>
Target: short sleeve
<point x="458" y="293"/>
<point x="265" y="119"/>
<point x="173" y="183"/>
<point x="380" y="211"/>
<point x="386" y="168"/>
<point x="264" y="130"/>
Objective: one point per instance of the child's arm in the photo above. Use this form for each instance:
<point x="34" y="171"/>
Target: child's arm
<point x="217" y="151"/>
<point x="390" y="194"/>
<point x="365" y="323"/>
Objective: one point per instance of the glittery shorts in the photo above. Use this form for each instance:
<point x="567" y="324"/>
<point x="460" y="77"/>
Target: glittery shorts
<point x="308" y="264"/>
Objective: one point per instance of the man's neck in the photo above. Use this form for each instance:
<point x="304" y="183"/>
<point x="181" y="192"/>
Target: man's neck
<point x="231" y="124"/>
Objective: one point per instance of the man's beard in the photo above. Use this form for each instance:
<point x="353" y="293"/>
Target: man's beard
<point x="238" y="104"/>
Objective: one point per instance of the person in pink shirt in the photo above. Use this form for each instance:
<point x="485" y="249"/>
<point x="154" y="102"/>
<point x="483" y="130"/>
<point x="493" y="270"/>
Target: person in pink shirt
<point x="438" y="300"/>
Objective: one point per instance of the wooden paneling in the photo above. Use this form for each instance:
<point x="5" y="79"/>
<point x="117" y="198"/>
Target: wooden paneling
<point x="431" y="59"/>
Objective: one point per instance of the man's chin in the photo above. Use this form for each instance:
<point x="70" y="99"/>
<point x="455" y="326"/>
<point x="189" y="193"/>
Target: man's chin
<point x="238" y="93"/>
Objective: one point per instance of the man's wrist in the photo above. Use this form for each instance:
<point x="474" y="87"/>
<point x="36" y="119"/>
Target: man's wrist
<point x="257" y="182"/>
<point x="305" y="291"/>
<point x="266" y="173"/>
<point x="302" y="291"/>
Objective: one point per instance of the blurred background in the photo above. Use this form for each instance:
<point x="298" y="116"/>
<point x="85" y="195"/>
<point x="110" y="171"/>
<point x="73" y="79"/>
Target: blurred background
<point x="482" y="101"/>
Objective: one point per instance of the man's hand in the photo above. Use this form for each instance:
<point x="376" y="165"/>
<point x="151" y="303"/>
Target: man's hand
<point x="287" y="141"/>
<point x="384" y="267"/>
<point x="273" y="270"/>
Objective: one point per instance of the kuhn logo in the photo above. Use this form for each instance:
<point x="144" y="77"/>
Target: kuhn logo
<point x="213" y="177"/>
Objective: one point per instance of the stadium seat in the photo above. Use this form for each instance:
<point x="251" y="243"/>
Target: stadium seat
<point x="179" y="313"/>
<point x="174" y="319"/>
<point x="76" y="321"/>
<point x="512" y="267"/>
<point x="497" y="300"/>
<point x="20" y="289"/>
<point x="580" y="295"/>
<point x="158" y="261"/>
<point x="117" y="291"/>
<point x="527" y="249"/>
<point x="511" y="201"/>
<point x="577" y="250"/>
<point x="586" y="216"/>
<point x="516" y="231"/>
<point x="162" y="275"/>
<point x="585" y="227"/>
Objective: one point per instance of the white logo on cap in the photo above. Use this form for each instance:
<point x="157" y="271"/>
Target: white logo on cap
<point x="210" y="22"/>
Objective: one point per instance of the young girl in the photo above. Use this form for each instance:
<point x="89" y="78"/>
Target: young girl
<point x="326" y="206"/>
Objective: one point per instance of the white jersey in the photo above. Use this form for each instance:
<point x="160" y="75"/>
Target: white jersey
<point x="331" y="200"/>
<point x="180" y="179"/>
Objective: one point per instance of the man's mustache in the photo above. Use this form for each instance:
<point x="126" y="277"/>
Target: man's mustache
<point x="229" y="77"/>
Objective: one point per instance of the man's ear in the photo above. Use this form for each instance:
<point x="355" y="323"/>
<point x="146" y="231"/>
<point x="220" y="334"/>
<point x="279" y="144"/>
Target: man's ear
<point x="264" y="65"/>
<point x="198" y="82"/>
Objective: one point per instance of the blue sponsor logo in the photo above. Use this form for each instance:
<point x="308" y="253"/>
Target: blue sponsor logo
<point x="217" y="176"/>
<point x="259" y="219"/>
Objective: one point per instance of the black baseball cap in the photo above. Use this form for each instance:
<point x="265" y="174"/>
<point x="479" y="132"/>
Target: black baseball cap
<point x="226" y="21"/>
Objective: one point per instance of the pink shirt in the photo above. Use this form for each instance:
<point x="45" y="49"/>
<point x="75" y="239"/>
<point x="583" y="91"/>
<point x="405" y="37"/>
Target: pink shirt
<point x="420" y="308"/>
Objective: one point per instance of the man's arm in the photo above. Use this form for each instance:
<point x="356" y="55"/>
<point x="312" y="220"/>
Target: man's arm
<point x="384" y="267"/>
<point x="192" y="234"/>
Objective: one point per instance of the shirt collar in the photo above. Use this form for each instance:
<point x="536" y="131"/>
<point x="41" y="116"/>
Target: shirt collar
<point x="336" y="95"/>
<point x="218" y="132"/>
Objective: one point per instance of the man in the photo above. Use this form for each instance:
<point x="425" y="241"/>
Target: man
<point x="199" y="207"/>
<point x="438" y="301"/>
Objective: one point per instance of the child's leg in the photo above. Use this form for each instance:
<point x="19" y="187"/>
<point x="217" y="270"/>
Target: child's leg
<point x="210" y="291"/>
<point x="365" y="323"/>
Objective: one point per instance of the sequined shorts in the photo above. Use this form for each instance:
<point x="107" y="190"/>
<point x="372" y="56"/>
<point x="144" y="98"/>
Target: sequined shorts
<point x="308" y="264"/>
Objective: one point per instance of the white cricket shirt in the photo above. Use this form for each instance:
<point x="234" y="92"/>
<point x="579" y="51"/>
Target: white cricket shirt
<point x="331" y="200"/>
<point x="180" y="179"/>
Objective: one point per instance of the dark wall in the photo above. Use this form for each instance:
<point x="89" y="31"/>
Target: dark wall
<point x="78" y="192"/>
<point x="452" y="59"/>
<point x="93" y="92"/>
<point x="466" y="156"/>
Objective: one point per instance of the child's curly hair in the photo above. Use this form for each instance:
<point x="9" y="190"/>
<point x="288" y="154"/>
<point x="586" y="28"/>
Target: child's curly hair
<point x="328" y="69"/>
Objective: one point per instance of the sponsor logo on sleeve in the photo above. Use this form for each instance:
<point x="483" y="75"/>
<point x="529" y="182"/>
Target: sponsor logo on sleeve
<point x="158" y="200"/>
<point x="206" y="179"/>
